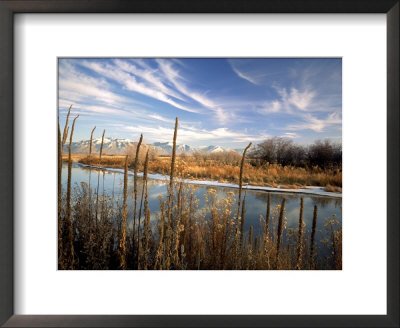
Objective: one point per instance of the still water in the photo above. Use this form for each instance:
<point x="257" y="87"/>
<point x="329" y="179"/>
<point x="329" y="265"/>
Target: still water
<point x="256" y="201"/>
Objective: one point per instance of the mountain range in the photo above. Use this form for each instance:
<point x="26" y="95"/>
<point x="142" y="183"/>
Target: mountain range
<point x="114" y="146"/>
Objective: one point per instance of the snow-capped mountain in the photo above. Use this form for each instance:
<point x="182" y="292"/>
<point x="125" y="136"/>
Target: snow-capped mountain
<point x="165" y="148"/>
<point x="111" y="146"/>
<point x="114" y="146"/>
<point x="213" y="149"/>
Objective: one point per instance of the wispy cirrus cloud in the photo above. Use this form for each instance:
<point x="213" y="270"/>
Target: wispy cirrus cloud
<point x="160" y="118"/>
<point x="290" y="135"/>
<point x="318" y="125"/>
<point x="175" y="78"/>
<point x="152" y="76"/>
<point x="274" y="106"/>
<point x="130" y="82"/>
<point x="191" y="134"/>
<point x="244" y="76"/>
<point x="301" y="100"/>
<point x="76" y="86"/>
<point x="231" y="101"/>
<point x="298" y="84"/>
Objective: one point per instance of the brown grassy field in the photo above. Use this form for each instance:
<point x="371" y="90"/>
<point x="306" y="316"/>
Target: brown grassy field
<point x="271" y="175"/>
<point x="105" y="161"/>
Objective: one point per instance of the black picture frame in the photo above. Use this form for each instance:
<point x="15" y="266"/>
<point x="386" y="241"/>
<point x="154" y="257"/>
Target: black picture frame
<point x="7" y="10"/>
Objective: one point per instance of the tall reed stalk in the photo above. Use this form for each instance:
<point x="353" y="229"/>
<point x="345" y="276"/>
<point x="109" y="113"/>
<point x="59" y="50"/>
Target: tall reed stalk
<point x="135" y="170"/>
<point x="147" y="230"/>
<point x="300" y="238"/>
<point x="90" y="178"/>
<point x="61" y="144"/>
<point x="146" y="238"/>
<point x="267" y="216"/>
<point x="178" y="227"/>
<point x="144" y="195"/>
<point x="312" y="243"/>
<point x="333" y="240"/>
<point x="242" y="220"/>
<point x="103" y="200"/>
<point x="236" y="242"/>
<point x="122" y="240"/>
<point x="160" y="249"/>
<point x="97" y="199"/>
<point x="241" y="177"/>
<point x="91" y="142"/>
<point x="59" y="189"/>
<point x="251" y="236"/>
<point x="102" y="142"/>
<point x="280" y="230"/>
<point x="145" y="170"/>
<point x="172" y="174"/>
<point x="70" y="256"/>
<point x="66" y="127"/>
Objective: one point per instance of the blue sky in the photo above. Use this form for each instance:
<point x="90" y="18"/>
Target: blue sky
<point x="226" y="102"/>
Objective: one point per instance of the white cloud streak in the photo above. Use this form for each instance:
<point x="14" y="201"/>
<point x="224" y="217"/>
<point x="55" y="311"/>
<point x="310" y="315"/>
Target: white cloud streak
<point x="315" y="124"/>
<point x="131" y="83"/>
<point x="190" y="135"/>
<point x="174" y="77"/>
<point x="244" y="76"/>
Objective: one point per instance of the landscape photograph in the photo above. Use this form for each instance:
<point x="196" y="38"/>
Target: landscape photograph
<point x="199" y="164"/>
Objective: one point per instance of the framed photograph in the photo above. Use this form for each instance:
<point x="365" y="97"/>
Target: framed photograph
<point x="204" y="164"/>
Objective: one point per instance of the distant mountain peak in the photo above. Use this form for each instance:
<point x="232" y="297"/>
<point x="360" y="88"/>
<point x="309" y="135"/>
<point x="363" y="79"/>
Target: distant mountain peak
<point x="119" y="146"/>
<point x="165" y="148"/>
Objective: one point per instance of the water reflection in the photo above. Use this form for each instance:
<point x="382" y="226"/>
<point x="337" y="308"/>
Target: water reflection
<point x="256" y="201"/>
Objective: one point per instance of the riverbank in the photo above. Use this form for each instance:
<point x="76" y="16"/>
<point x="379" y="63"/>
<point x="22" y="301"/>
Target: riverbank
<point x="309" y="190"/>
<point x="267" y="175"/>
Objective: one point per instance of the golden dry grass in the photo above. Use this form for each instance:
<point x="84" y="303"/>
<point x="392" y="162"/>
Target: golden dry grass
<point x="105" y="161"/>
<point x="333" y="188"/>
<point x="270" y="175"/>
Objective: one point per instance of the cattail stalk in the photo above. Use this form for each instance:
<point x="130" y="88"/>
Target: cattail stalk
<point x="68" y="220"/>
<point x="147" y="214"/>
<point x="236" y="241"/>
<point x="312" y="244"/>
<point x="178" y="227"/>
<point x="241" y="177"/>
<point x="102" y="142"/>
<point x="146" y="240"/>
<point x="122" y="241"/>
<point x="90" y="176"/>
<point x="160" y="249"/>
<point x="61" y="143"/>
<point x="242" y="221"/>
<point x="60" y="244"/>
<point x="250" y="236"/>
<point x="135" y="170"/>
<point x="66" y="127"/>
<point x="144" y="194"/>
<point x="300" y="241"/>
<point x="333" y="239"/>
<point x="280" y="229"/>
<point x="103" y="200"/>
<point x="171" y="177"/>
<point x="267" y="216"/>
<point x="91" y="142"/>
<point x="143" y="187"/>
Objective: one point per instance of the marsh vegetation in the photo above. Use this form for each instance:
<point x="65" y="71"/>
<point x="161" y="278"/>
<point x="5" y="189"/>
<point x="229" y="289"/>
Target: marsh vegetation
<point x="120" y="221"/>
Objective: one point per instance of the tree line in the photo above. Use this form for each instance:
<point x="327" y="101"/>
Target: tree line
<point x="277" y="150"/>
